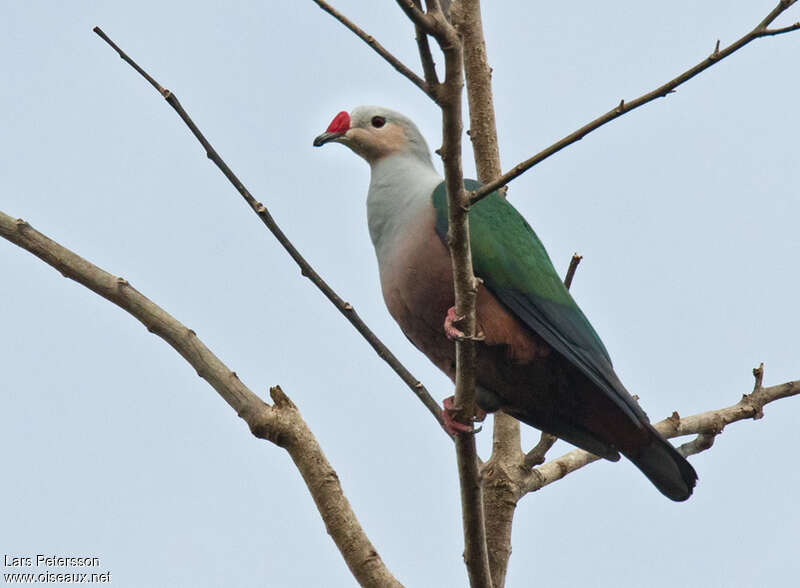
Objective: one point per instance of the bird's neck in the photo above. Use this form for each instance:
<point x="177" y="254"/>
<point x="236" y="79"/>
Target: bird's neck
<point x="400" y="190"/>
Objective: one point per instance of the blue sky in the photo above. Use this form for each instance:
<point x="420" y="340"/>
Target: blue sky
<point x="685" y="211"/>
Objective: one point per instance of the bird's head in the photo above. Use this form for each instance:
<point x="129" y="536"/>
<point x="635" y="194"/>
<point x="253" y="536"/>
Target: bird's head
<point x="374" y="132"/>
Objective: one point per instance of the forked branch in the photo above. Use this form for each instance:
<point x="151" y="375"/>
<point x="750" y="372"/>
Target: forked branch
<point x="623" y="107"/>
<point x="305" y="268"/>
<point x="280" y="423"/>
<point x="433" y="23"/>
<point x="379" y="49"/>
<point x="706" y="426"/>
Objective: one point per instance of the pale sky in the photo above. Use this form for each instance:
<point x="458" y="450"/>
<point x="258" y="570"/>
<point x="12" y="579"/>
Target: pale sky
<point x="686" y="212"/>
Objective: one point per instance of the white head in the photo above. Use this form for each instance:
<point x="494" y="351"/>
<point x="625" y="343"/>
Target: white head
<point x="374" y="133"/>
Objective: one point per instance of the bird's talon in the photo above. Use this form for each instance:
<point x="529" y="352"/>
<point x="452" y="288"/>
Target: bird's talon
<point x="451" y="425"/>
<point x="450" y="330"/>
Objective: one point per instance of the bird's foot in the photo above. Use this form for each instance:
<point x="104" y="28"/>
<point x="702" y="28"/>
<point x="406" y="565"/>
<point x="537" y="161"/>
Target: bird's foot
<point x="450" y="329"/>
<point x="451" y="425"/>
<point x="454" y="333"/>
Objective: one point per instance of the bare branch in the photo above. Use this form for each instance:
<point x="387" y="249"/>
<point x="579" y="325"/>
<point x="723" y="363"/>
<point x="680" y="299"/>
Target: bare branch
<point x="377" y="47"/>
<point x="624" y="107"/>
<point x="428" y="65"/>
<point x="536" y="455"/>
<point x="425" y="56"/>
<point x="280" y="423"/>
<point x="774" y="13"/>
<point x="419" y="18"/>
<point x="465" y="284"/>
<point x="478" y="75"/>
<point x="573" y="266"/>
<point x="782" y="30"/>
<point x="305" y="268"/>
<point x="499" y="487"/>
<point x="706" y="425"/>
<point x="700" y="443"/>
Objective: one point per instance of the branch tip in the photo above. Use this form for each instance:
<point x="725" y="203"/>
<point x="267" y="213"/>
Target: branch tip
<point x="280" y="398"/>
<point x="377" y="47"/>
<point x="662" y="91"/>
<point x="758" y="374"/>
<point x="573" y="267"/>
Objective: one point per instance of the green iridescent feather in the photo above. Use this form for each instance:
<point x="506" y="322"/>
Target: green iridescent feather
<point x="514" y="265"/>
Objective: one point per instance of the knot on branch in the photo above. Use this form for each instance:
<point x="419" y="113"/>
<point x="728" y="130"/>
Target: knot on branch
<point x="755" y="401"/>
<point x="758" y="374"/>
<point x="674" y="420"/>
<point x="715" y="426"/>
<point x="280" y="399"/>
<point x="260" y="418"/>
<point x="753" y="405"/>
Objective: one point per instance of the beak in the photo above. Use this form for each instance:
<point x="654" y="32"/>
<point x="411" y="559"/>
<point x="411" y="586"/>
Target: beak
<point x="327" y="137"/>
<point x="336" y="130"/>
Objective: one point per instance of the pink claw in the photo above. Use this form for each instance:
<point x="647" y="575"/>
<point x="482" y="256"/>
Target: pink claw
<point x="451" y="425"/>
<point x="451" y="331"/>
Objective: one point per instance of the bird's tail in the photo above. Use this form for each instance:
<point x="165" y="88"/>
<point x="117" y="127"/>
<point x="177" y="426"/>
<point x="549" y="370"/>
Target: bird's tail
<point x="667" y="469"/>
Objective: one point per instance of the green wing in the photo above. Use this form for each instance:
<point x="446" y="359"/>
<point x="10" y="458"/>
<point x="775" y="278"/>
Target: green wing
<point x="513" y="264"/>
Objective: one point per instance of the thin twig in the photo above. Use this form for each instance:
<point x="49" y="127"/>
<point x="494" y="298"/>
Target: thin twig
<point x="573" y="266"/>
<point x="425" y="57"/>
<point x="420" y="18"/>
<point x="624" y="106"/>
<point x="782" y="30"/>
<point x="280" y="423"/>
<point x="344" y="307"/>
<point x="377" y="47"/>
<point x="536" y="456"/>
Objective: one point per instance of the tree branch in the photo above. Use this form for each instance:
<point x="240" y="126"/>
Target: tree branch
<point x="536" y="455"/>
<point x="280" y="423"/>
<point x="420" y="18"/>
<point x="573" y="266"/>
<point x="305" y="268"/>
<point x="706" y="425"/>
<point x="624" y="107"/>
<point x="435" y="24"/>
<point x="425" y="57"/>
<point x="378" y="48"/>
<point x="498" y="473"/>
<point x="478" y="75"/>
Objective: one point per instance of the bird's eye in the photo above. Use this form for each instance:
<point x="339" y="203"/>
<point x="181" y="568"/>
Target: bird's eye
<point x="378" y="121"/>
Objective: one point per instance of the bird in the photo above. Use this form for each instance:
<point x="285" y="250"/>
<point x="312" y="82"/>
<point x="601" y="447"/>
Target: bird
<point x="538" y="358"/>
